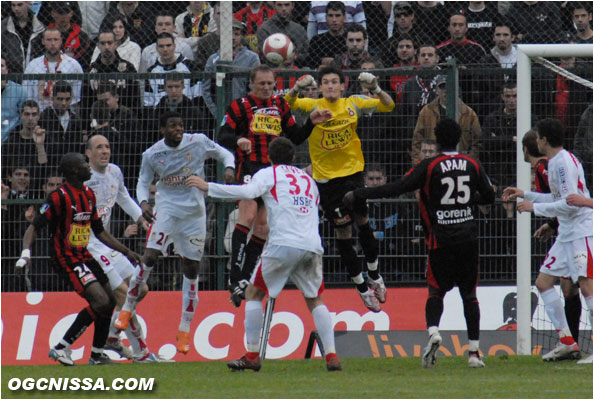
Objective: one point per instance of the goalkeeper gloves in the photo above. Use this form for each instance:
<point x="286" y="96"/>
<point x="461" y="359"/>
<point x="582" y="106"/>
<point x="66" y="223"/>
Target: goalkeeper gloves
<point x="303" y="82"/>
<point x="369" y="81"/>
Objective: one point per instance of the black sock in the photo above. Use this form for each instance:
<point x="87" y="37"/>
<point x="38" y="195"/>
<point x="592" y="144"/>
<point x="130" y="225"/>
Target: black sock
<point x="472" y="314"/>
<point x="369" y="243"/>
<point x="252" y="252"/>
<point x="238" y="240"/>
<point x="100" y="335"/>
<point x="84" y="318"/>
<point x="433" y="310"/>
<point x="573" y="313"/>
<point x="349" y="259"/>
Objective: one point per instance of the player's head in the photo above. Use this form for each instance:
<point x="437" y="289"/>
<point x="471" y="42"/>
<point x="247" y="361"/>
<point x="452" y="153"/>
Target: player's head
<point x="281" y="151"/>
<point x="550" y="132"/>
<point x="529" y="145"/>
<point x="331" y="81"/>
<point x="447" y="134"/>
<point x="74" y="168"/>
<point x="98" y="152"/>
<point x="172" y="128"/>
<point x="262" y="81"/>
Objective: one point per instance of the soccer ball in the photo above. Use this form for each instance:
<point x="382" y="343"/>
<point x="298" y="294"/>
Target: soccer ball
<point x="278" y="48"/>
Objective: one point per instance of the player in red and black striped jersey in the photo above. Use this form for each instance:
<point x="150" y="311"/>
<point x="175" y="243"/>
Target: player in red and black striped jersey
<point x="248" y="127"/>
<point x="540" y="165"/>
<point x="450" y="185"/>
<point x="71" y="214"/>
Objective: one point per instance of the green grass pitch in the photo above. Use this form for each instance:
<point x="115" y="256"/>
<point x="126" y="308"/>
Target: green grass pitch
<point x="504" y="377"/>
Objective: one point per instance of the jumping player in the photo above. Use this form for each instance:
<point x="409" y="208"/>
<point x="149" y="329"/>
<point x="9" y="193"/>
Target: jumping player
<point x="571" y="253"/>
<point x="338" y="164"/>
<point x="180" y="212"/>
<point x="71" y="213"/>
<point x="294" y="248"/>
<point x="450" y="185"/>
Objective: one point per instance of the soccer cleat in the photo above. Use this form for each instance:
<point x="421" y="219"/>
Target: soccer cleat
<point x="183" y="342"/>
<point x="117" y="346"/>
<point x="429" y="357"/>
<point x="147" y="357"/>
<point x="63" y="356"/>
<point x="238" y="292"/>
<point x="563" y="352"/>
<point x="333" y="363"/>
<point x="123" y="320"/>
<point x="475" y="360"/>
<point x="103" y="359"/>
<point x="370" y="300"/>
<point x="379" y="288"/>
<point x="587" y="360"/>
<point x="245" y="363"/>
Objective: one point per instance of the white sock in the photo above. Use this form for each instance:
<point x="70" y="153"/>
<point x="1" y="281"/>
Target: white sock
<point x="135" y="335"/>
<point x="141" y="276"/>
<point x="433" y="330"/>
<point x="323" y="322"/>
<point x="114" y="333"/>
<point x="358" y="279"/>
<point x="372" y="266"/>
<point x="589" y="305"/>
<point x="473" y="345"/>
<point x="254" y="318"/>
<point x="189" y="304"/>
<point x="554" y="308"/>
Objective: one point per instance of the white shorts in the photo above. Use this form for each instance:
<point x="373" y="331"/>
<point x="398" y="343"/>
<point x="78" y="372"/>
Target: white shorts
<point x="569" y="259"/>
<point x="279" y="263"/>
<point x="116" y="266"/>
<point x="187" y="235"/>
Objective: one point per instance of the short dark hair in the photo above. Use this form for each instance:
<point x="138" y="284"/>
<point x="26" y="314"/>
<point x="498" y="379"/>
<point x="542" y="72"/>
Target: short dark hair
<point x="100" y="111"/>
<point x="281" y="151"/>
<point x="327" y="70"/>
<point x="51" y="29"/>
<point x="501" y="22"/>
<point x="352" y="27"/>
<point x="62" y="87"/>
<point x="166" y="35"/>
<point x="430" y="142"/>
<point x="105" y="32"/>
<point x="30" y="104"/>
<point x="164" y="117"/>
<point x="164" y="13"/>
<point x="107" y="86"/>
<point x="578" y="5"/>
<point x="260" y="68"/>
<point x="336" y="6"/>
<point x="173" y="76"/>
<point x="457" y="14"/>
<point x="68" y="162"/>
<point x="510" y="84"/>
<point x="553" y="130"/>
<point x="375" y="168"/>
<point x="447" y="134"/>
<point x="404" y="36"/>
<point x="377" y="62"/>
<point x="529" y="141"/>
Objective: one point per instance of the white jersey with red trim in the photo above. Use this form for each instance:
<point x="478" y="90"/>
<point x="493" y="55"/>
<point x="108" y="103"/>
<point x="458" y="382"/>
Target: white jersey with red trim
<point x="291" y="198"/>
<point x="566" y="176"/>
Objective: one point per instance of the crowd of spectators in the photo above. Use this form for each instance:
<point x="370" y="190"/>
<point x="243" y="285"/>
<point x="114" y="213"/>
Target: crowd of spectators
<point x="412" y="41"/>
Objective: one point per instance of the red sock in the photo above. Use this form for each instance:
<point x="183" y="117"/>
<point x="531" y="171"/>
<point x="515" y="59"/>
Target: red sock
<point x="567" y="340"/>
<point x="252" y="355"/>
<point x="330" y="356"/>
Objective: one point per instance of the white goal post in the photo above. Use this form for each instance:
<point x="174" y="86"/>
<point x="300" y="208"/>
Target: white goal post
<point x="524" y="122"/>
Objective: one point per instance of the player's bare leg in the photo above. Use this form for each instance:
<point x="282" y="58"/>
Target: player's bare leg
<point x="370" y="247"/>
<point x="189" y="303"/>
<point x="141" y="275"/>
<point x="102" y="301"/>
<point x="567" y="347"/>
<point x="113" y="339"/>
<point x="254" y="318"/>
<point x="348" y="258"/>
<point x="323" y="322"/>
<point x="586" y="288"/>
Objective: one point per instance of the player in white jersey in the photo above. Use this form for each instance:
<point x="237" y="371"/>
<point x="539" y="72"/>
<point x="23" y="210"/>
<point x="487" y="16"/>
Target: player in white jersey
<point x="293" y="249"/>
<point x="571" y="254"/>
<point x="180" y="212"/>
<point x="107" y="182"/>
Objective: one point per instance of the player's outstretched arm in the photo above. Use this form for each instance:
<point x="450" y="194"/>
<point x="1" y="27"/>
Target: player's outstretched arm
<point x="370" y="82"/>
<point x="28" y="240"/>
<point x="511" y="193"/>
<point x="577" y="200"/>
<point x="197" y="182"/>
<point x="303" y="82"/>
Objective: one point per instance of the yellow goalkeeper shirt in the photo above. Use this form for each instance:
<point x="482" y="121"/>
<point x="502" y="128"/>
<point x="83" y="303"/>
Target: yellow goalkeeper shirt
<point x="334" y="146"/>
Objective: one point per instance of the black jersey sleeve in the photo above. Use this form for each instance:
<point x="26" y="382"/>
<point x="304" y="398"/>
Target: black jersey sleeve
<point x="485" y="193"/>
<point x="412" y="181"/>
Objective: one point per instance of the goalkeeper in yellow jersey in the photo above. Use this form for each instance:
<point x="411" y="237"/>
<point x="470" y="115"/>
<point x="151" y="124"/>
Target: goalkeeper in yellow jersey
<point x="337" y="160"/>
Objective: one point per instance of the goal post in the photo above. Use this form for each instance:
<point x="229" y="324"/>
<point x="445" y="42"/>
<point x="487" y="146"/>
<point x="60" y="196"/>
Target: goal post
<point x="526" y="52"/>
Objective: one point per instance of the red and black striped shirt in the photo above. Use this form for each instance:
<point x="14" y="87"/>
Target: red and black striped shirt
<point x="260" y="121"/>
<point x="541" y="176"/>
<point x="71" y="214"/>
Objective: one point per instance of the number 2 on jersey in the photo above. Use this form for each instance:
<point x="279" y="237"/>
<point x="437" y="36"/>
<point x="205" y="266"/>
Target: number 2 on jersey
<point x="460" y="186"/>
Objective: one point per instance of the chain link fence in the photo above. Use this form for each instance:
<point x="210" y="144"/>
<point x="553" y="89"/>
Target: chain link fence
<point x="409" y="46"/>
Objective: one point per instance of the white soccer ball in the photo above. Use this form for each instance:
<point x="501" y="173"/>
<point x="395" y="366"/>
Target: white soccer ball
<point x="278" y="48"/>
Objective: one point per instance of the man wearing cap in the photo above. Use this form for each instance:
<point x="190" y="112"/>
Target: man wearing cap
<point x="243" y="59"/>
<point x="435" y="111"/>
<point x="75" y="42"/>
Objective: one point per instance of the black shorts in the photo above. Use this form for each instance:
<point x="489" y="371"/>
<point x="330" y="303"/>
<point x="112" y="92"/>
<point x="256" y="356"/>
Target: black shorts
<point x="81" y="275"/>
<point x="454" y="266"/>
<point x="331" y="194"/>
<point x="244" y="173"/>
